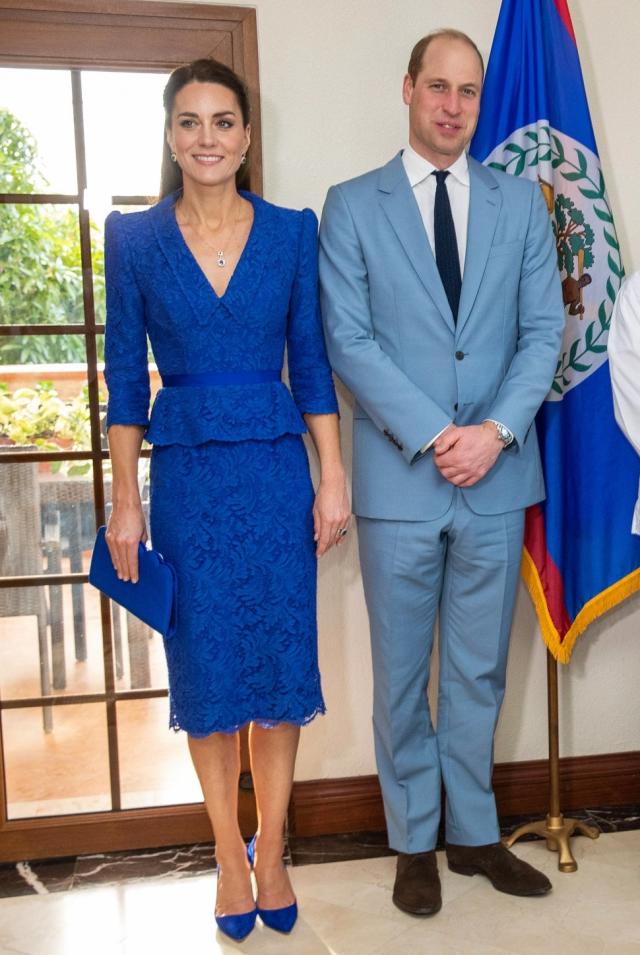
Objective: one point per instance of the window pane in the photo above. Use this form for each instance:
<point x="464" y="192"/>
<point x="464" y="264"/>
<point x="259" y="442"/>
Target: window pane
<point x="50" y="640"/>
<point x="65" y="770"/>
<point x="36" y="130"/>
<point x="47" y="522"/>
<point x="124" y="130"/>
<point x="41" y="271"/>
<point x="155" y="766"/>
<point x="45" y="406"/>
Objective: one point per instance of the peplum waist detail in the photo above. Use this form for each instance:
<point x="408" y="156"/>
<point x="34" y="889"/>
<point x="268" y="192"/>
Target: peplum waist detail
<point x="197" y="414"/>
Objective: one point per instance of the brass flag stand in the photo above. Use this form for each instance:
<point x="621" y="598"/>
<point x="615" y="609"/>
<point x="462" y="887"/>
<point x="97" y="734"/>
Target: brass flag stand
<point x="555" y="829"/>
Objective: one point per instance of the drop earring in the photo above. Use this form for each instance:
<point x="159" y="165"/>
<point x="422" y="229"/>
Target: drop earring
<point x="173" y="157"/>
<point x="243" y="159"/>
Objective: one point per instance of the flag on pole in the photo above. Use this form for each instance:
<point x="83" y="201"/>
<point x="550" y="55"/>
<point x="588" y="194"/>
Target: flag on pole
<point x="580" y="558"/>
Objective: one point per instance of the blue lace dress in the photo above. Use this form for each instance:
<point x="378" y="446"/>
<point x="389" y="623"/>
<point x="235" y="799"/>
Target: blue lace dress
<point x="231" y="495"/>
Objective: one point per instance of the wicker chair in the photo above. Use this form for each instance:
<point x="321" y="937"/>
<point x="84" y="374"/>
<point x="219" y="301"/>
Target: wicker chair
<point x="63" y="501"/>
<point x="25" y="551"/>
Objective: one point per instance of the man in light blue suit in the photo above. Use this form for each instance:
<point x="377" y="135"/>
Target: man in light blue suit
<point x="443" y="315"/>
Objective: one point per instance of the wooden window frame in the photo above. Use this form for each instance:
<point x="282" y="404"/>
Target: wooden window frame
<point x="133" y="36"/>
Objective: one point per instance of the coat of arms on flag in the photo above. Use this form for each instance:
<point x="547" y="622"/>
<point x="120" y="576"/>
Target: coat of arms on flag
<point x="580" y="556"/>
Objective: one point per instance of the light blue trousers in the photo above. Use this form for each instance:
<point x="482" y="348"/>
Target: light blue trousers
<point x="464" y="566"/>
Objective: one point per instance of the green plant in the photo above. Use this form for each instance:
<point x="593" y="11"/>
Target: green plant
<point x="39" y="417"/>
<point x="40" y="266"/>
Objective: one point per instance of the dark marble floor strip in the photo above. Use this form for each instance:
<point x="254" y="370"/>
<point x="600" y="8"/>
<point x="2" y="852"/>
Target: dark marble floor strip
<point x="54" y="875"/>
<point x="110" y="868"/>
<point x="60" y="875"/>
<point x="311" y="850"/>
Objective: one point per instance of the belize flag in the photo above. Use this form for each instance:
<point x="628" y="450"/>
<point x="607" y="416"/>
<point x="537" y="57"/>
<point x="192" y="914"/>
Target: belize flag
<point x="580" y="556"/>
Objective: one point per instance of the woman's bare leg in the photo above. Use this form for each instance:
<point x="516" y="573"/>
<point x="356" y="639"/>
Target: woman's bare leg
<point x="217" y="762"/>
<point x="273" y="756"/>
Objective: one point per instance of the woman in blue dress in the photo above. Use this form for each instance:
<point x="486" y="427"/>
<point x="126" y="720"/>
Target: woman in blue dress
<point x="220" y="281"/>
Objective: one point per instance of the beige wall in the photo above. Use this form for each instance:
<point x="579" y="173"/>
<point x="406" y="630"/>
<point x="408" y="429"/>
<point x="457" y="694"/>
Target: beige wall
<point x="331" y="74"/>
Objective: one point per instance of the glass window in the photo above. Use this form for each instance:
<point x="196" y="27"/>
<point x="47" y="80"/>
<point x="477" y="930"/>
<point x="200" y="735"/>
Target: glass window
<point x="59" y="772"/>
<point x="123" y="126"/>
<point x="168" y="777"/>
<point x="44" y="402"/>
<point x="41" y="273"/>
<point x="36" y="130"/>
<point x="47" y="522"/>
<point x="51" y="639"/>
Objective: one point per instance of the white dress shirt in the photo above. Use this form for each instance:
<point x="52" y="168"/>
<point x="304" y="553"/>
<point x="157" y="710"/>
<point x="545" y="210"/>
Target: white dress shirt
<point x="624" y="366"/>
<point x="423" y="184"/>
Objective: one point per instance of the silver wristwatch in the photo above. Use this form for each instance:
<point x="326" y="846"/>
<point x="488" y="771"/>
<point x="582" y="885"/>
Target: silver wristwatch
<point x="503" y="432"/>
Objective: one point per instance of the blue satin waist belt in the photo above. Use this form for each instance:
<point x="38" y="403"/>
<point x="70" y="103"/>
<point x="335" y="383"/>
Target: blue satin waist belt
<point x="204" y="378"/>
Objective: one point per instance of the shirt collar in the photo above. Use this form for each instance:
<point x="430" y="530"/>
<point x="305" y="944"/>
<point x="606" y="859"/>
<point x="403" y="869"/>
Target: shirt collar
<point x="417" y="168"/>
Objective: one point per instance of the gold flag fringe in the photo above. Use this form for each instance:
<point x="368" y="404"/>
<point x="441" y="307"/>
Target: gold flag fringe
<point x="561" y="648"/>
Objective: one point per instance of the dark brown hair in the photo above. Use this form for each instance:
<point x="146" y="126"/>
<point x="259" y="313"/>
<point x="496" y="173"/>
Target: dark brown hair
<point x="206" y="70"/>
<point x="419" y="50"/>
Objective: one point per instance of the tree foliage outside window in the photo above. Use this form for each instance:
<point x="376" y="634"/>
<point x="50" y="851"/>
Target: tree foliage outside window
<point x="40" y="267"/>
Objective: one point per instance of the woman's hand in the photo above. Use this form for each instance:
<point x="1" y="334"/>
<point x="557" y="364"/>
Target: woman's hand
<point x="125" y="530"/>
<point x="331" y="513"/>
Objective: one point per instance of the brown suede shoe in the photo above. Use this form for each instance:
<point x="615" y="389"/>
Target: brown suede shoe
<point x="505" y="871"/>
<point x="417" y="886"/>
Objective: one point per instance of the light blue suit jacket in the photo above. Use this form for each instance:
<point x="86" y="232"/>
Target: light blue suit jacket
<point x="392" y="339"/>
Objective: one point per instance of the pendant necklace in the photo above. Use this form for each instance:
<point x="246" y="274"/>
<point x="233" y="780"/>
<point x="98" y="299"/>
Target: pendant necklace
<point x="221" y="259"/>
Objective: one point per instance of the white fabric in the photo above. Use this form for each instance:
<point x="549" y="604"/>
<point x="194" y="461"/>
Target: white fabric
<point x="624" y="364"/>
<point x="426" y="447"/>
<point x="418" y="172"/>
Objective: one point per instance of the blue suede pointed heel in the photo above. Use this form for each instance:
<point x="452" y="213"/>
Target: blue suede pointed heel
<point x="236" y="927"/>
<point x="280" y="920"/>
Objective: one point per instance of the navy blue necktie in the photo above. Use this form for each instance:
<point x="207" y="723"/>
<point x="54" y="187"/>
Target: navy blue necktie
<point x="444" y="230"/>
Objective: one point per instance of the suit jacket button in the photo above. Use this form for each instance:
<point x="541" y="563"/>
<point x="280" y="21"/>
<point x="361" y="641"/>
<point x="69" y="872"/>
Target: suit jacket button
<point x="459" y="355"/>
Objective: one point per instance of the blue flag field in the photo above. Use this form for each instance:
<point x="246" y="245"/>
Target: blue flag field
<point x="580" y="558"/>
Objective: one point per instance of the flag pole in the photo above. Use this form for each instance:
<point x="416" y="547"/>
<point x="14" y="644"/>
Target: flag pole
<point x="555" y="829"/>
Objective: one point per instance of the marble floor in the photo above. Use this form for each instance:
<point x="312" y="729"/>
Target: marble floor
<point x="346" y="909"/>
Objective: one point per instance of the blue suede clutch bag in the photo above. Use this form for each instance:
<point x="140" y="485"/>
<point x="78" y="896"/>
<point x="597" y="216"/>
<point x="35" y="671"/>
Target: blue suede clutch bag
<point x="153" y="599"/>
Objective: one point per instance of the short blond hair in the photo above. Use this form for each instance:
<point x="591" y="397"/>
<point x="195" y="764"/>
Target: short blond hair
<point x="419" y="50"/>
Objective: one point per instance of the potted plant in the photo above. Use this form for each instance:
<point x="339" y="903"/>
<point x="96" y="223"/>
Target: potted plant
<point x="39" y="418"/>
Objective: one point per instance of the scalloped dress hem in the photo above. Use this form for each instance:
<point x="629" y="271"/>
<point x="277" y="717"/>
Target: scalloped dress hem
<point x="319" y="710"/>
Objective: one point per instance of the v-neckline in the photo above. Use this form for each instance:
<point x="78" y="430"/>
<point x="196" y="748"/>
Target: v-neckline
<point x="249" y="241"/>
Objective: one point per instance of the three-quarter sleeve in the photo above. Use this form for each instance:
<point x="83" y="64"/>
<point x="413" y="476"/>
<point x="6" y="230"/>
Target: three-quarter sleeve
<point x="126" y="371"/>
<point x="310" y="375"/>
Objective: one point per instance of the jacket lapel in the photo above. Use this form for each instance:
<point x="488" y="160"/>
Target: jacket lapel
<point x="261" y="248"/>
<point x="401" y="209"/>
<point x="484" y="208"/>
<point x="188" y="275"/>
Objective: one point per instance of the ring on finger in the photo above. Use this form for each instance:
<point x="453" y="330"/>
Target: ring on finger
<point x="342" y="531"/>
